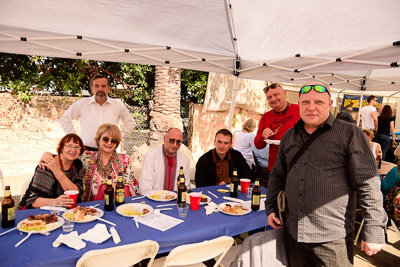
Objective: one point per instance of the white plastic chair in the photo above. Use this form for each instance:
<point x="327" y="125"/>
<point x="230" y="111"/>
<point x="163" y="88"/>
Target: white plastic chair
<point x="395" y="227"/>
<point x="126" y="255"/>
<point x="195" y="254"/>
<point x="25" y="186"/>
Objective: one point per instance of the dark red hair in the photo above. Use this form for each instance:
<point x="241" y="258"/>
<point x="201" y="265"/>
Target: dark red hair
<point x="75" y="138"/>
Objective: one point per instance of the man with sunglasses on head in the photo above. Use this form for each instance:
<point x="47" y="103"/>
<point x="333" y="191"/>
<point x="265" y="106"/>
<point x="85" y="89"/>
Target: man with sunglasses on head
<point x="95" y="111"/>
<point x="323" y="180"/>
<point x="369" y="115"/>
<point x="161" y="164"/>
<point x="216" y="166"/>
<point x="274" y="123"/>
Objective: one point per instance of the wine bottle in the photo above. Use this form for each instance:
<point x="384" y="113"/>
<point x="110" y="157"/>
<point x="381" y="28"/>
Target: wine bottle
<point x="255" y="196"/>
<point x="120" y="191"/>
<point x="234" y="184"/>
<point x="109" y="196"/>
<point x="7" y="209"/>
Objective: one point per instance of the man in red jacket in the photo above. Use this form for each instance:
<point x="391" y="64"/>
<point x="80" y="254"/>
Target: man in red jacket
<point x="274" y="123"/>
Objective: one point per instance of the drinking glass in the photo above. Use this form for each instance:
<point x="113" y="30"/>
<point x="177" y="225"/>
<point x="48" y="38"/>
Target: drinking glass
<point x="56" y="205"/>
<point x="68" y="226"/>
<point x="250" y="190"/>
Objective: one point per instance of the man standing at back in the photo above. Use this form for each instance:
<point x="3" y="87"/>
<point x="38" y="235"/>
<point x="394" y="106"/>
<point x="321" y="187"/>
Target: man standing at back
<point x="95" y="111"/>
<point x="369" y="115"/>
<point x="161" y="164"/>
<point x="322" y="183"/>
<point x="274" y="123"/>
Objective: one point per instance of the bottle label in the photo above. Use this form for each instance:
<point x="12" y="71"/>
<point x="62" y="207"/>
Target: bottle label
<point x="183" y="196"/>
<point x="7" y="193"/>
<point x="11" y="214"/>
<point x="120" y="195"/>
<point x="256" y="200"/>
<point x="232" y="187"/>
<point x="107" y="199"/>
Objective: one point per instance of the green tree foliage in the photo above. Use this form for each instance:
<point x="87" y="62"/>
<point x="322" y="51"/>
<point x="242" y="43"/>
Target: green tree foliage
<point x="24" y="75"/>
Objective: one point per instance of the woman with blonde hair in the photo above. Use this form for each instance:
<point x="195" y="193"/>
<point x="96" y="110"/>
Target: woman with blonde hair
<point x="244" y="139"/>
<point x="375" y="147"/>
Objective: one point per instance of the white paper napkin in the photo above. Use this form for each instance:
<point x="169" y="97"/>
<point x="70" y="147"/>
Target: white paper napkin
<point x="262" y="203"/>
<point x="160" y="221"/>
<point x="233" y="199"/>
<point x="72" y="240"/>
<point x="115" y="235"/>
<point x="211" y="207"/>
<point x="98" y="234"/>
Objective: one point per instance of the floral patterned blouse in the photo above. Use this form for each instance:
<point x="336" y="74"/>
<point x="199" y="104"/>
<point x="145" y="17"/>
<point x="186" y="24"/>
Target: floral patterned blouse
<point x="92" y="180"/>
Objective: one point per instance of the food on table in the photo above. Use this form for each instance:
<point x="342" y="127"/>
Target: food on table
<point x="204" y="198"/>
<point x="37" y="222"/>
<point x="237" y="209"/>
<point x="129" y="211"/>
<point x="161" y="195"/>
<point x="80" y="214"/>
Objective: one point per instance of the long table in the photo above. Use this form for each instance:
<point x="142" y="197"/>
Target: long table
<point x="197" y="227"/>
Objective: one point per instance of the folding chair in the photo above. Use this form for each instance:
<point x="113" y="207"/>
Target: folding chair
<point x="195" y="254"/>
<point x="126" y="255"/>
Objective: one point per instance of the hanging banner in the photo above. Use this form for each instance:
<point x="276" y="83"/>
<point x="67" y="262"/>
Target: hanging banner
<point x="352" y="102"/>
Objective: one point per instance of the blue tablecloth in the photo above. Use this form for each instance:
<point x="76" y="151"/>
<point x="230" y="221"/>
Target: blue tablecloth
<point x="197" y="226"/>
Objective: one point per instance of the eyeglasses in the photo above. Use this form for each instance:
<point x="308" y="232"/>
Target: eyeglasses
<point x="272" y="86"/>
<point x="106" y="140"/>
<point x="317" y="88"/>
<point x="173" y="141"/>
<point x="70" y="147"/>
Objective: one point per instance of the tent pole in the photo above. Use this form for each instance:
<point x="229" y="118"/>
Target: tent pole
<point x="359" y="108"/>
<point x="233" y="102"/>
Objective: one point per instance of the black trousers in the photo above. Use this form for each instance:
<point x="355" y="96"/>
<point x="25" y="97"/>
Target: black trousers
<point x="338" y="253"/>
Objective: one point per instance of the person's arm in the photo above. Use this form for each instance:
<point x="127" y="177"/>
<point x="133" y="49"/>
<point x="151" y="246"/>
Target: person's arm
<point x="73" y="112"/>
<point x="146" y="180"/>
<point x="363" y="178"/>
<point x="391" y="179"/>
<point x="201" y="172"/>
<point x="259" y="142"/>
<point x="375" y="118"/>
<point x="392" y="131"/>
<point x="65" y="200"/>
<point x="55" y="168"/>
<point x="129" y="177"/>
<point x="127" y="119"/>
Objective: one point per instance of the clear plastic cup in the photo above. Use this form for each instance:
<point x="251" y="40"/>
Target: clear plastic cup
<point x="183" y="209"/>
<point x="250" y="190"/>
<point x="68" y="226"/>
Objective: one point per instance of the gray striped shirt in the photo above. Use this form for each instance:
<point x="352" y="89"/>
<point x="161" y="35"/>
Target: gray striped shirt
<point x="322" y="187"/>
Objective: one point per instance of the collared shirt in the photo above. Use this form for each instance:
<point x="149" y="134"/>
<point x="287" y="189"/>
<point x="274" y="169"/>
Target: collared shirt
<point x="91" y="115"/>
<point x="323" y="185"/>
<point x="170" y="170"/>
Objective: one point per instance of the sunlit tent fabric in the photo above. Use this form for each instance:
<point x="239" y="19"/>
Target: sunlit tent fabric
<point x="339" y="42"/>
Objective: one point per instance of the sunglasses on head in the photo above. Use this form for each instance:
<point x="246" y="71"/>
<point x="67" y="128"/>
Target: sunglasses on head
<point x="173" y="141"/>
<point x="106" y="140"/>
<point x="272" y="86"/>
<point x="317" y="88"/>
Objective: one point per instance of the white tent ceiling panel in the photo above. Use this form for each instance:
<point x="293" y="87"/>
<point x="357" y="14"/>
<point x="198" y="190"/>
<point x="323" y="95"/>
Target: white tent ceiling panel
<point x="209" y="35"/>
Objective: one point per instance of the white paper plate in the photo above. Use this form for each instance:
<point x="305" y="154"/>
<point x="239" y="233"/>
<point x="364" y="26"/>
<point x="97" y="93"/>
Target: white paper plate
<point x="159" y="195"/>
<point x="87" y="218"/>
<point x="201" y="203"/>
<point x="272" y="142"/>
<point x="121" y="210"/>
<point x="49" y="227"/>
<point x="233" y="204"/>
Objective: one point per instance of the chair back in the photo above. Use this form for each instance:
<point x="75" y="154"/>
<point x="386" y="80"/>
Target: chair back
<point x="24" y="187"/>
<point x="396" y="229"/>
<point x="199" y="252"/>
<point x="126" y="255"/>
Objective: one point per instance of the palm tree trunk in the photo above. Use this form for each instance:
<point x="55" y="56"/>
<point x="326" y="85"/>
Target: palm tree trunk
<point x="165" y="107"/>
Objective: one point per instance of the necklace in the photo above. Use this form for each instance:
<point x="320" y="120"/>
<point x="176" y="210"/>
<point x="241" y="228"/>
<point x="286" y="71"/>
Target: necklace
<point x="70" y="172"/>
<point x="104" y="171"/>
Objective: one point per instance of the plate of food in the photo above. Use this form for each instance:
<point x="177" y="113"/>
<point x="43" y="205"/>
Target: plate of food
<point x="40" y="223"/>
<point x="162" y="195"/>
<point x="234" y="208"/>
<point x="203" y="200"/>
<point x="134" y="209"/>
<point x="81" y="214"/>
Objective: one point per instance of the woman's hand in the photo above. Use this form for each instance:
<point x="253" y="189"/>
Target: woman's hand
<point x="45" y="159"/>
<point x="65" y="200"/>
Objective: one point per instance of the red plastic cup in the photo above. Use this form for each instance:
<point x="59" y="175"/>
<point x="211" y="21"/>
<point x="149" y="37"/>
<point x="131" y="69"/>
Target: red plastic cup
<point x="244" y="183"/>
<point x="195" y="200"/>
<point x="74" y="195"/>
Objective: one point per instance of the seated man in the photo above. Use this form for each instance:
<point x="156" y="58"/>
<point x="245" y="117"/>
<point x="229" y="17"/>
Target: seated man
<point x="161" y="164"/>
<point x="216" y="166"/>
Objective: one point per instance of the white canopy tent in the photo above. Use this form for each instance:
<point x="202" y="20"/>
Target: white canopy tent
<point x="339" y="42"/>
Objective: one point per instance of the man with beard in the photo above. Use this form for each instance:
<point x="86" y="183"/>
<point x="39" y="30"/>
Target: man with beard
<point x="95" y="111"/>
